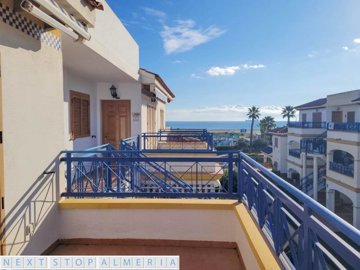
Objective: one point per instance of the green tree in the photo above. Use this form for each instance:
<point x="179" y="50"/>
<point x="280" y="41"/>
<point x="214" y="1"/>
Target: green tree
<point x="253" y="113"/>
<point x="288" y="112"/>
<point x="267" y="123"/>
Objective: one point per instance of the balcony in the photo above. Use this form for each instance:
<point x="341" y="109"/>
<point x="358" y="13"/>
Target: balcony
<point x="320" y="125"/>
<point x="169" y="140"/>
<point x="347" y="170"/>
<point x="313" y="146"/>
<point x="294" y="153"/>
<point x="350" y="127"/>
<point x="300" y="231"/>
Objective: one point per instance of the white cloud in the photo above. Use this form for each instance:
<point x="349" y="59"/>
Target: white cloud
<point x="356" y="40"/>
<point x="345" y="48"/>
<point x="222" y="113"/>
<point x="184" y="36"/>
<point x="229" y="71"/>
<point x="222" y="71"/>
<point x="313" y="54"/>
<point x="155" y="13"/>
<point x="195" y="76"/>
<point x="178" y="61"/>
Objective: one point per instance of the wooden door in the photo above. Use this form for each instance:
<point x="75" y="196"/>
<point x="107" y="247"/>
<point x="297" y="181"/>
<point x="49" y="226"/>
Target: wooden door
<point x="115" y="121"/>
<point x="2" y="210"/>
<point x="351" y="117"/>
<point x="151" y="142"/>
<point x="317" y="119"/>
<point x="336" y="117"/>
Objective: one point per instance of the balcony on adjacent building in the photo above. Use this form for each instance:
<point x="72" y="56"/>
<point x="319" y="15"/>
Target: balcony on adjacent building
<point x="347" y="170"/>
<point x="295" y="152"/>
<point x="313" y="146"/>
<point x="173" y="139"/>
<point x="321" y="125"/>
<point x="350" y="127"/>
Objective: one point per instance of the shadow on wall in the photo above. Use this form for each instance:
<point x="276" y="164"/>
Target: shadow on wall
<point x="25" y="219"/>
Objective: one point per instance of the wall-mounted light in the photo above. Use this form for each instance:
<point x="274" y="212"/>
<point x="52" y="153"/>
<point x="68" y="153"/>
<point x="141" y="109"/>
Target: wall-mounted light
<point x="153" y="98"/>
<point x="113" y="91"/>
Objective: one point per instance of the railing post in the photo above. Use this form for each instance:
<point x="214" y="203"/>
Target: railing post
<point x="68" y="174"/>
<point x="306" y="245"/>
<point x="138" y="141"/>
<point x="144" y="140"/>
<point x="240" y="178"/>
<point x="230" y="174"/>
<point x="108" y="174"/>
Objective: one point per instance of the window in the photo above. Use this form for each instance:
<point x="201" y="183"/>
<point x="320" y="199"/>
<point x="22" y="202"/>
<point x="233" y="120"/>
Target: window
<point x="303" y="117"/>
<point x="276" y="142"/>
<point x="79" y="115"/>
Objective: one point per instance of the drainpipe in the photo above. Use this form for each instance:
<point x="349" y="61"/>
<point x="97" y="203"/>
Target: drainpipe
<point x="36" y="12"/>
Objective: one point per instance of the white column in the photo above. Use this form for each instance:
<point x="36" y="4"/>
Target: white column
<point x="330" y="200"/>
<point x="303" y="164"/>
<point x="356" y="217"/>
<point x="315" y="179"/>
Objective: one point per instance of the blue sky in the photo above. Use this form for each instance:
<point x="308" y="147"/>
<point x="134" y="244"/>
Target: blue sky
<point x="220" y="57"/>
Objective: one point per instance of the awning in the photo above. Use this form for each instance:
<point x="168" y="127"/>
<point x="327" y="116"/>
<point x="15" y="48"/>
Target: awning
<point x="160" y="95"/>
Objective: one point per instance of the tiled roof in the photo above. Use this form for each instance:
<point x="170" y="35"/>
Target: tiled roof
<point x="267" y="150"/>
<point x="281" y="130"/>
<point x="315" y="103"/>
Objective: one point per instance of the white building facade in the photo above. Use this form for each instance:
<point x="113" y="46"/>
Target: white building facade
<point x="67" y="82"/>
<point x="324" y="152"/>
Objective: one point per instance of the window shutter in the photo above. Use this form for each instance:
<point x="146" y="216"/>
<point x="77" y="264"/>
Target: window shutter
<point x="85" y="117"/>
<point x="79" y="115"/>
<point x="76" y="116"/>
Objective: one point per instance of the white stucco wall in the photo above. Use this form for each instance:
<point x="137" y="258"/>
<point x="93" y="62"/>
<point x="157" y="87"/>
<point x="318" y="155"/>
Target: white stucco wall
<point x="126" y="91"/>
<point x="309" y="114"/>
<point x="111" y="40"/>
<point x="32" y="85"/>
<point x="280" y="153"/>
<point x="80" y="84"/>
<point x="165" y="224"/>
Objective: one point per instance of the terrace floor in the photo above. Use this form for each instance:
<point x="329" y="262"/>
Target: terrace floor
<point x="194" y="255"/>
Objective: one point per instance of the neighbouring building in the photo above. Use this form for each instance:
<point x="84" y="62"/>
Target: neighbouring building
<point x="279" y="149"/>
<point x="323" y="153"/>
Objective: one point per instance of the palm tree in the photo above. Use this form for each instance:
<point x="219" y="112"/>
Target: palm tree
<point x="267" y="123"/>
<point x="253" y="113"/>
<point x="288" y="112"/>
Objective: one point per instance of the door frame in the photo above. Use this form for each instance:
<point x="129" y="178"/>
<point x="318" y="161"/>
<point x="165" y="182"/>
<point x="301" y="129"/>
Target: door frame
<point x="103" y="104"/>
<point x="2" y="196"/>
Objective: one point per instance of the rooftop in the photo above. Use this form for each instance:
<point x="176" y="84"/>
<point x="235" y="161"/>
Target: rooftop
<point x="278" y="130"/>
<point x="318" y="103"/>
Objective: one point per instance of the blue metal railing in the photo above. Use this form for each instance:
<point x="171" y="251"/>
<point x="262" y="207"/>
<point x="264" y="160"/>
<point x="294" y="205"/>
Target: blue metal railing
<point x="313" y="145"/>
<point x="294" y="153"/>
<point x="306" y="184"/>
<point x="302" y="233"/>
<point x="307" y="125"/>
<point x="181" y="139"/>
<point x="342" y="168"/>
<point x="355" y="127"/>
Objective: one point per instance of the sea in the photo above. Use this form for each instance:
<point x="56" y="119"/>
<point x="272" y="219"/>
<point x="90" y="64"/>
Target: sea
<point x="218" y="125"/>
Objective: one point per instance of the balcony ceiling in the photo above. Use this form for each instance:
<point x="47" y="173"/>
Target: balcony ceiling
<point x="85" y="62"/>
